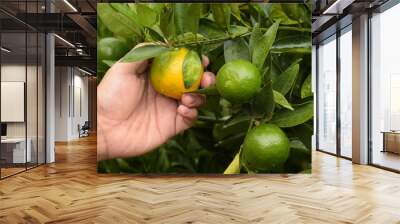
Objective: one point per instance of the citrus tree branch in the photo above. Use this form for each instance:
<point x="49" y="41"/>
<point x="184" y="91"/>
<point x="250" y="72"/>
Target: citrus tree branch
<point x="211" y="41"/>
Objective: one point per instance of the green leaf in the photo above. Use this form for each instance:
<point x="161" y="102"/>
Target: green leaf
<point x="231" y="141"/>
<point x="297" y="144"/>
<point x="275" y="13"/>
<point x="221" y="14"/>
<point x="167" y="22"/>
<point x="102" y="30"/>
<point x="235" y="9"/>
<point x="264" y="103"/>
<point x="124" y="9"/>
<point x="209" y="91"/>
<point x="236" y="125"/>
<point x="290" y="118"/>
<point x="156" y="33"/>
<point x="255" y="36"/>
<point x="306" y="88"/>
<point x="302" y="132"/>
<point x="293" y="44"/>
<point x="299" y="157"/>
<point x="284" y="82"/>
<point x="296" y="12"/>
<point x="146" y="15"/>
<point x="234" y="166"/>
<point x="237" y="31"/>
<point x="110" y="63"/>
<point x="210" y="30"/>
<point x="144" y="52"/>
<point x="186" y="17"/>
<point x="262" y="46"/>
<point x="116" y="22"/>
<point x="156" y="7"/>
<point x="281" y="100"/>
<point x="236" y="49"/>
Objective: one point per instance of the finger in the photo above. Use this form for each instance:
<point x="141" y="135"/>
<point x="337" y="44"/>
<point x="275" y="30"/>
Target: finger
<point x="208" y="79"/>
<point x="186" y="117"/>
<point x="193" y="100"/>
<point x="186" y="112"/>
<point x="205" y="61"/>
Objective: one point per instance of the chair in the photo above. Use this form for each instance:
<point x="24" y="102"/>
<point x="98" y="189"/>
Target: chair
<point x="84" y="130"/>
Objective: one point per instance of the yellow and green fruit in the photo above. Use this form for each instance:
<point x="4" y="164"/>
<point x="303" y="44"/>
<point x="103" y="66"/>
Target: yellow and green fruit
<point x="176" y="72"/>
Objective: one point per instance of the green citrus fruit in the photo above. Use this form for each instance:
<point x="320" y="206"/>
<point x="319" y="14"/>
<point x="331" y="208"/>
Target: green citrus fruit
<point x="238" y="81"/>
<point x="265" y="149"/>
<point x="176" y="72"/>
<point x="110" y="48"/>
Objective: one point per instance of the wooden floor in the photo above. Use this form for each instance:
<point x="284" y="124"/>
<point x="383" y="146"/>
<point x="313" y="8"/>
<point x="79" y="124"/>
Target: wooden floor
<point x="10" y="171"/>
<point x="70" y="191"/>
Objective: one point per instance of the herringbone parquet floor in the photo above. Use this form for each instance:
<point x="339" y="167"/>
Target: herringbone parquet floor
<point x="70" y="191"/>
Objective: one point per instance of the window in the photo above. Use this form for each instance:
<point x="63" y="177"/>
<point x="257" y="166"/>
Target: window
<point x="346" y="92"/>
<point x="327" y="96"/>
<point x="385" y="89"/>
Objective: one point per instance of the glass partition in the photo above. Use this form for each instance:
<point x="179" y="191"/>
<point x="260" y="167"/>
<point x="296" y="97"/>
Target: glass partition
<point x="22" y="77"/>
<point x="14" y="151"/>
<point x="385" y="89"/>
<point x="327" y="95"/>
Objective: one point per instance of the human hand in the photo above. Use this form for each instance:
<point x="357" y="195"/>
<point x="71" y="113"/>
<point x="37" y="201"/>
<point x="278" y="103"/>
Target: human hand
<point x="133" y="118"/>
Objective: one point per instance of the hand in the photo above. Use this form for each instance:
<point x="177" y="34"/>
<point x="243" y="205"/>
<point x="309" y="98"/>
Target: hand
<point x="133" y="118"/>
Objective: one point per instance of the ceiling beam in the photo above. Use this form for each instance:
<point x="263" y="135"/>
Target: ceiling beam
<point x="89" y="30"/>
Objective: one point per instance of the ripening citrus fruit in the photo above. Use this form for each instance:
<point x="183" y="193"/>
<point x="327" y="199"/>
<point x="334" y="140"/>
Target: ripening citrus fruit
<point x="265" y="149"/>
<point x="238" y="81"/>
<point x="176" y="72"/>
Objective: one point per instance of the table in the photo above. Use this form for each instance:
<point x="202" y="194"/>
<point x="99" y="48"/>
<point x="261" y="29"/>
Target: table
<point x="391" y="141"/>
<point x="16" y="147"/>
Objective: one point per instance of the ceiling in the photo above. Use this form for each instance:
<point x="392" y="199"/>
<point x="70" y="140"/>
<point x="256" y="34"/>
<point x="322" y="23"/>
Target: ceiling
<point x="74" y="22"/>
<point x="331" y="15"/>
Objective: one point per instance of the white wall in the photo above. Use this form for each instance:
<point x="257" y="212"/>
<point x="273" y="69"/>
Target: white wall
<point x="71" y="94"/>
<point x="12" y="73"/>
<point x="33" y="127"/>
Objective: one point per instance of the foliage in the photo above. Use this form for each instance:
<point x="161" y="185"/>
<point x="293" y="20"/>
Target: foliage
<point x="274" y="37"/>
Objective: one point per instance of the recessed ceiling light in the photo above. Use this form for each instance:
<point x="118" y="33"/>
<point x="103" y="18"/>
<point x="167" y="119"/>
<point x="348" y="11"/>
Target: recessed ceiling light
<point x="70" y="5"/>
<point x="337" y="7"/>
<point x="65" y="41"/>
<point x="84" y="71"/>
<point x="5" y="50"/>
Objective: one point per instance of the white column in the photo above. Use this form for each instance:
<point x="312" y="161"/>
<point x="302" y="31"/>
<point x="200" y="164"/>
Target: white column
<point x="50" y="98"/>
<point x="50" y="92"/>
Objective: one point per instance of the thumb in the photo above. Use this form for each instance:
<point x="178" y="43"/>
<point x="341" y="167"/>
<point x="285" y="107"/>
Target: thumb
<point x="137" y="67"/>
